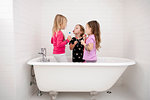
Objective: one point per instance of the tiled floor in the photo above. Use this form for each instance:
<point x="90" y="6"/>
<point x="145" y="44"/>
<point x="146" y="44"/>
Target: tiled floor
<point x="118" y="93"/>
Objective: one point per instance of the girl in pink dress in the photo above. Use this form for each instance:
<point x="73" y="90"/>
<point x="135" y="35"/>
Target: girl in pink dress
<point x="92" y="42"/>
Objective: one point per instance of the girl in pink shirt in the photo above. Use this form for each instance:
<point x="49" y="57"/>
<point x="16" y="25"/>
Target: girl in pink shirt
<point x="58" y="39"/>
<point x="92" y="42"/>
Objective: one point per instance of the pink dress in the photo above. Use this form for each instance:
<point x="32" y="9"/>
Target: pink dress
<point x="90" y="55"/>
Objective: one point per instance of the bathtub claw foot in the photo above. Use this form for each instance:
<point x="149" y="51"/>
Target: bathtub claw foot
<point x="53" y="95"/>
<point x="93" y="94"/>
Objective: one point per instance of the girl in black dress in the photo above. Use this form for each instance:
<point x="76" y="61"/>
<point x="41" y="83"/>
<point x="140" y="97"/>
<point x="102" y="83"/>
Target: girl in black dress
<point x="75" y="44"/>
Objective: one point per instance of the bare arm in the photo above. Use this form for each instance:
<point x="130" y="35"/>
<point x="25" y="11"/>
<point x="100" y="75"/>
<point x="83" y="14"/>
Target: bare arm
<point x="88" y="47"/>
<point x="73" y="45"/>
<point x="60" y="40"/>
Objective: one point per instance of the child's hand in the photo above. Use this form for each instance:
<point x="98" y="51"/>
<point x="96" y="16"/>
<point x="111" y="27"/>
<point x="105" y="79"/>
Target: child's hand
<point x="75" y="42"/>
<point x="84" y="36"/>
<point x="73" y="45"/>
<point x="69" y="38"/>
<point x="83" y="43"/>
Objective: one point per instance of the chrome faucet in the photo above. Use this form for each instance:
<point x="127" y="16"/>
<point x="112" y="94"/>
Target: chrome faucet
<point x="43" y="53"/>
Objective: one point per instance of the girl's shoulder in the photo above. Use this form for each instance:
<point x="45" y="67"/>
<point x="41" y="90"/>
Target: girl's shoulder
<point x="91" y="37"/>
<point x="73" y="38"/>
<point x="59" y="33"/>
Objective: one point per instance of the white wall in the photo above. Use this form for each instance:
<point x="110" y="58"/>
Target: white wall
<point x="137" y="46"/>
<point x="26" y="27"/>
<point x="20" y="40"/>
<point x="109" y="13"/>
<point x="7" y="68"/>
<point x="27" y="34"/>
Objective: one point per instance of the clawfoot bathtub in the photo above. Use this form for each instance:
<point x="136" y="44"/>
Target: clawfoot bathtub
<point x="56" y="77"/>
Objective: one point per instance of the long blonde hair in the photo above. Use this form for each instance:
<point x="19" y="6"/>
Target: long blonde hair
<point x="58" y="22"/>
<point x="95" y="29"/>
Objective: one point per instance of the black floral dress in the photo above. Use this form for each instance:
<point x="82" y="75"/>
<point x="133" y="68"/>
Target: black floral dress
<point x="77" y="54"/>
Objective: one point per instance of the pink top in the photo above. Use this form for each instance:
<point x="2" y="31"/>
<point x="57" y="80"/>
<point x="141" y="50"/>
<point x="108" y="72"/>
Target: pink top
<point x="90" y="55"/>
<point x="59" y="43"/>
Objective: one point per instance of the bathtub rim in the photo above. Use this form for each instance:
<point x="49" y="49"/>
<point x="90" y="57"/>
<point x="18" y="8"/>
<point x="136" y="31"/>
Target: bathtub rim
<point x="127" y="63"/>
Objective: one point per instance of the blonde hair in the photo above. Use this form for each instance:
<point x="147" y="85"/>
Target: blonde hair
<point x="58" y="22"/>
<point x="95" y="29"/>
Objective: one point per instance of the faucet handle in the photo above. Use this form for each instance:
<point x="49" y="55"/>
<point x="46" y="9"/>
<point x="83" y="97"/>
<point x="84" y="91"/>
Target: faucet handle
<point x="42" y="51"/>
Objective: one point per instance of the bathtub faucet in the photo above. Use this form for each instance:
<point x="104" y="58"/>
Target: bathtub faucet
<point x="43" y="53"/>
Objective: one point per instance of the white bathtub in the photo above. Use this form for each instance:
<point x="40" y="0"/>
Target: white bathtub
<point x="79" y="77"/>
